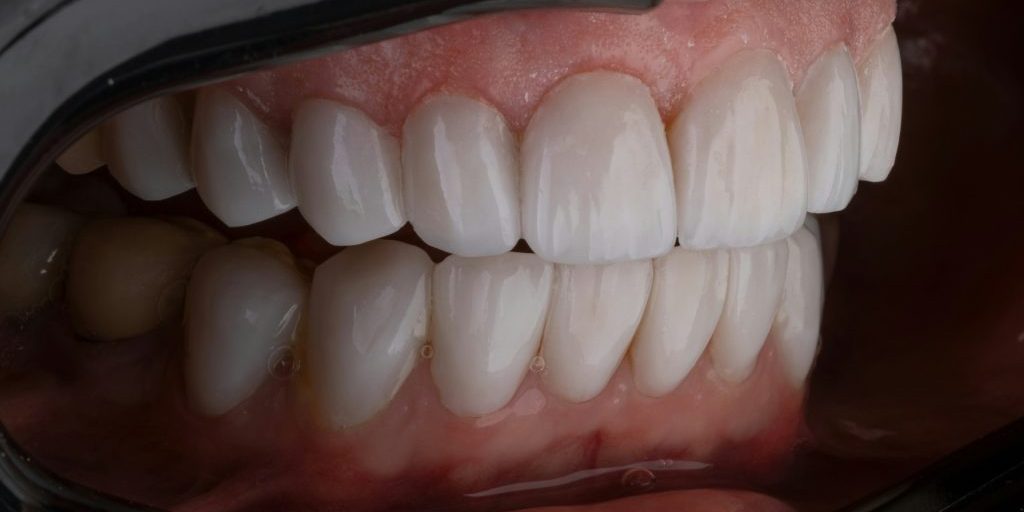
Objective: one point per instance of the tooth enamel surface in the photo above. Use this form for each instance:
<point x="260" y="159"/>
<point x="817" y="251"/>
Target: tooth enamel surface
<point x="756" y="278"/>
<point x="461" y="177"/>
<point x="485" y="327"/>
<point x="240" y="168"/>
<point x="127" y="276"/>
<point x="85" y="155"/>
<point x="595" y="309"/>
<point x="369" y="313"/>
<point x="243" y="303"/>
<point x="881" y="94"/>
<point x="147" y="149"/>
<point x="33" y="256"/>
<point x="685" y="304"/>
<point x="797" y="324"/>
<point x="829" y="108"/>
<point x="597" y="178"/>
<point x="739" y="157"/>
<point x="346" y="173"/>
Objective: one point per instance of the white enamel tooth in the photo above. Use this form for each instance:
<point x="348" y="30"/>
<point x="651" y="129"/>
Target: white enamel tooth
<point x="85" y="155"/>
<point x="346" y="173"/>
<point x="597" y="177"/>
<point x="460" y="177"/>
<point x="595" y="309"/>
<point x="33" y="256"/>
<point x="756" y="279"/>
<point x="369" y="314"/>
<point x="739" y="156"/>
<point x="244" y="304"/>
<point x="829" y="107"/>
<point x="685" y="305"/>
<point x="240" y="168"/>
<point x="147" y="149"/>
<point x="486" y="323"/>
<point x="881" y="101"/>
<point x="797" y="324"/>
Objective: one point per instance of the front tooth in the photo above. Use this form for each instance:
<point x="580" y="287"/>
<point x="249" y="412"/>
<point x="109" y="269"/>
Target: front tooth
<point x="597" y="178"/>
<point x="829" y="109"/>
<point x="739" y="156"/>
<point x="240" y="168"/>
<point x="460" y="177"/>
<point x="485" y="326"/>
<point x="756" y="278"/>
<point x="85" y="155"/>
<point x="881" y="94"/>
<point x="346" y="173"/>
<point x="594" y="312"/>
<point x="244" y="303"/>
<point x="797" y="324"/>
<point x="33" y="255"/>
<point x="126" y="276"/>
<point x="686" y="303"/>
<point x="369" y="312"/>
<point x="147" y="149"/>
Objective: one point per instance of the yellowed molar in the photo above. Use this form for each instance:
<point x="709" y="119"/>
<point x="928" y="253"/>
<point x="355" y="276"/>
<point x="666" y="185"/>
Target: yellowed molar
<point x="33" y="256"/>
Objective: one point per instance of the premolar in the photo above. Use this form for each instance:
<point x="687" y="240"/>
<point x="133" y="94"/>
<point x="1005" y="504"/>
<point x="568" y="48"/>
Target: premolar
<point x="881" y="94"/>
<point x="147" y="149"/>
<point x="85" y="155"/>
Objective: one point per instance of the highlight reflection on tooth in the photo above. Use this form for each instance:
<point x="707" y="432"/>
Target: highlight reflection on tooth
<point x="244" y="302"/>
<point x="797" y="324"/>
<point x="881" y="92"/>
<point x="147" y="149"/>
<point x="85" y="155"/>
<point x="33" y="256"/>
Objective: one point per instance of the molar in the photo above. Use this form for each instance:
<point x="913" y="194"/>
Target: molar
<point x="147" y="149"/>
<point x="33" y="256"/>
<point x="881" y="93"/>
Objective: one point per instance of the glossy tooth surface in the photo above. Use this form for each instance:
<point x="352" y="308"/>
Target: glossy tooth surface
<point x="798" y="322"/>
<point x="685" y="305"/>
<point x="756" y="279"/>
<point x="369" y="313"/>
<point x="243" y="304"/>
<point x="240" y="168"/>
<point x="486" y="323"/>
<point x="33" y="256"/>
<point x="461" y="177"/>
<point x="881" y="94"/>
<point x="346" y="173"/>
<point x="595" y="309"/>
<point x="147" y="149"/>
<point x="128" y="275"/>
<point x="85" y="155"/>
<point x="829" y="107"/>
<point x="597" y="178"/>
<point x="739" y="156"/>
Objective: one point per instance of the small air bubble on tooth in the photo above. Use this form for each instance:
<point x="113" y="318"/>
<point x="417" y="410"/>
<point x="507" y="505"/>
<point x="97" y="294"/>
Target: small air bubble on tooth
<point x="283" y="364"/>
<point x="537" y="364"/>
<point x="638" y="479"/>
<point x="427" y="351"/>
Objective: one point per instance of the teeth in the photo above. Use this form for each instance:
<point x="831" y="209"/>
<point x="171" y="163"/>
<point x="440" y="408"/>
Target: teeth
<point x="739" y="156"/>
<point x="829" y="110"/>
<point x="685" y="305"/>
<point x="85" y="155"/>
<point x="33" y="256"/>
<point x="239" y="166"/>
<point x="597" y="178"/>
<point x="460" y="180"/>
<point x="346" y="173"/>
<point x="369" y="312"/>
<point x="487" y="320"/>
<point x="756" y="278"/>
<point x="595" y="310"/>
<point x="147" y="149"/>
<point x="244" y="303"/>
<point x="881" y="95"/>
<point x="126" y="276"/>
<point x="798" y="321"/>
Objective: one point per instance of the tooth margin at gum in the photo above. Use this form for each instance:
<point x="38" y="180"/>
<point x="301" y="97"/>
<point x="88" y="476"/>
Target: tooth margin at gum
<point x="885" y="46"/>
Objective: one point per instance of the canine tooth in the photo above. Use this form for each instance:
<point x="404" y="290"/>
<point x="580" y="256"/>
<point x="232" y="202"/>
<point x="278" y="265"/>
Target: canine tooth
<point x="756" y="278"/>
<point x="369" y="312"/>
<point x="85" y="155"/>
<point x="797" y="324"/>
<point x="243" y="303"/>
<point x="595" y="309"/>
<point x="881" y="93"/>
<point x="829" y="109"/>
<point x="461" y="177"/>
<point x="487" y="318"/>
<point x="597" y="177"/>
<point x="33" y="256"/>
<point x="240" y="168"/>
<point x="126" y="276"/>
<point x="147" y="149"/>
<point x="739" y="156"/>
<point x="686" y="302"/>
<point x="346" y="173"/>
